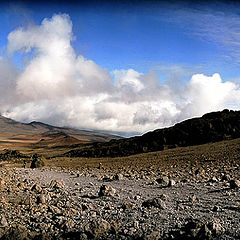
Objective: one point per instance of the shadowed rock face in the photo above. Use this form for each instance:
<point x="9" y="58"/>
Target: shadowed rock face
<point x="11" y="154"/>
<point x="211" y="127"/>
<point x="37" y="161"/>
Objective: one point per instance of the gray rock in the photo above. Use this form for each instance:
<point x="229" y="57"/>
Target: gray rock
<point x="213" y="180"/>
<point x="215" y="226"/>
<point x="154" y="202"/>
<point x="153" y="235"/>
<point x="97" y="228"/>
<point x="216" y="209"/>
<point x="55" y="210"/>
<point x="163" y="180"/>
<point x="118" y="177"/>
<point x="56" y="184"/>
<point x="36" y="188"/>
<point x="3" y="221"/>
<point x="2" y="184"/>
<point x="234" y="184"/>
<point x="171" y="183"/>
<point x="106" y="190"/>
<point x="128" y="206"/>
<point x="16" y="232"/>
<point x="41" y="199"/>
<point x="195" y="229"/>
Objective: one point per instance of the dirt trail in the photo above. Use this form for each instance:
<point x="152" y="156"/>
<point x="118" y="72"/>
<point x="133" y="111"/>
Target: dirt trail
<point x="66" y="204"/>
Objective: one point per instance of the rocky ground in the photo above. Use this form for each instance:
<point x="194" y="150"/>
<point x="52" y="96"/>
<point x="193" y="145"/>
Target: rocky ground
<point x="176" y="200"/>
<point x="57" y="204"/>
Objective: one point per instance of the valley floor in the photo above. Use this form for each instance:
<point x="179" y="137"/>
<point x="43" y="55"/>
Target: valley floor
<point x="183" y="193"/>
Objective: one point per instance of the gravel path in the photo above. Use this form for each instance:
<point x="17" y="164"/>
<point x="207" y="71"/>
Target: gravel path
<point x="98" y="204"/>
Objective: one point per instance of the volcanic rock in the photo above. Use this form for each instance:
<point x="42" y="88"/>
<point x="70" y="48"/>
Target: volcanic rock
<point x="106" y="190"/>
<point x="154" y="202"/>
<point x="234" y="184"/>
<point x="37" y="161"/>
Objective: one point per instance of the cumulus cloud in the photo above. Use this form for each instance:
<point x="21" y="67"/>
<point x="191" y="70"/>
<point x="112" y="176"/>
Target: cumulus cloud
<point x="55" y="70"/>
<point x="59" y="87"/>
<point x="209" y="93"/>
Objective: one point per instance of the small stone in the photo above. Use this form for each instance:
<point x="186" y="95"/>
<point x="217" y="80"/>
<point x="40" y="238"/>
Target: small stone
<point x="56" y="184"/>
<point x="127" y="206"/>
<point x="41" y="199"/>
<point x="118" y="177"/>
<point x="2" y="184"/>
<point x="213" y="179"/>
<point x="164" y="197"/>
<point x="67" y="225"/>
<point x="154" y="202"/>
<point x="199" y="171"/>
<point x="55" y="210"/>
<point x="163" y="180"/>
<point x="153" y="235"/>
<point x="37" y="188"/>
<point x="171" y="183"/>
<point x="3" y="221"/>
<point x="22" y="185"/>
<point x="94" y="214"/>
<point x="226" y="177"/>
<point x="193" y="198"/>
<point x="106" y="190"/>
<point x="3" y="200"/>
<point x="100" y="166"/>
<point x="87" y="207"/>
<point x="215" y="227"/>
<point x="16" y="232"/>
<point x="204" y="233"/>
<point x="234" y="184"/>
<point x="216" y="209"/>
<point x="97" y="228"/>
<point x="137" y="197"/>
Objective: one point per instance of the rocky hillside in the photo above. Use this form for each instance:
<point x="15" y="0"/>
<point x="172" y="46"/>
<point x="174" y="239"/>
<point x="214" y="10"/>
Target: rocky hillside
<point x="211" y="127"/>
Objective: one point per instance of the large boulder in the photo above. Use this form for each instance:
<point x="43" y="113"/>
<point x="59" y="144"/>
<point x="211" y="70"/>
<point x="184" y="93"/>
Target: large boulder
<point x="37" y="161"/>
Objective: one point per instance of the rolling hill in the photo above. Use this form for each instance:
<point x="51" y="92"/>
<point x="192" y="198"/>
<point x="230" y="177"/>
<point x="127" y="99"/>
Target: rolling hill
<point x="15" y="134"/>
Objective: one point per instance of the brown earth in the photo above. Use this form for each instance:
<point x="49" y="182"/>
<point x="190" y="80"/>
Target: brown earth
<point x="182" y="193"/>
<point x="39" y="137"/>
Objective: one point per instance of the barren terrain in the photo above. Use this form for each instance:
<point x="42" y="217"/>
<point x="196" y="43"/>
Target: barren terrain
<point x="181" y="193"/>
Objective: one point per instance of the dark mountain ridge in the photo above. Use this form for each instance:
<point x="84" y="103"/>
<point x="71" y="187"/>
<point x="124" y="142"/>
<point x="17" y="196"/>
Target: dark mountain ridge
<point x="211" y="127"/>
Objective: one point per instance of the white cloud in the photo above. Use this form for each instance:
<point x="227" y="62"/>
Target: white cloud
<point x="55" y="70"/>
<point x="205" y="94"/>
<point x="59" y="87"/>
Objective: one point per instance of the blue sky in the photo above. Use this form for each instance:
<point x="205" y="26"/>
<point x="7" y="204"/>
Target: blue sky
<point x="142" y="36"/>
<point x="130" y="67"/>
